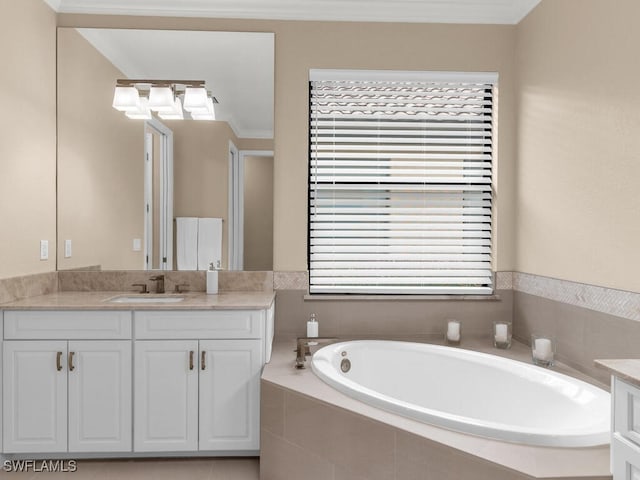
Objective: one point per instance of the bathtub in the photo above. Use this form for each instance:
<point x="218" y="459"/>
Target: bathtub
<point x="471" y="392"/>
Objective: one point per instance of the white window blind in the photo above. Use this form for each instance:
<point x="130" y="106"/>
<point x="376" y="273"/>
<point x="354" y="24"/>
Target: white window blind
<point x="400" y="183"/>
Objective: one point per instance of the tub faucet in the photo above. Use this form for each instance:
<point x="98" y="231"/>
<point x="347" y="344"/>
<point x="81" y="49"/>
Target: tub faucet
<point x="160" y="283"/>
<point x="303" y="347"/>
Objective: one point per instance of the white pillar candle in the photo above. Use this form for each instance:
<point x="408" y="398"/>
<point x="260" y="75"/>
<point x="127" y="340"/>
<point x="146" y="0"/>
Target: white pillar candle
<point x="542" y="349"/>
<point x="453" y="331"/>
<point x="501" y="332"/>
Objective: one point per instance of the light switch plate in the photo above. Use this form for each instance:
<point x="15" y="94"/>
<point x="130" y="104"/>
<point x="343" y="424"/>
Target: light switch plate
<point x="44" y="249"/>
<point x="67" y="249"/>
<point x="137" y="244"/>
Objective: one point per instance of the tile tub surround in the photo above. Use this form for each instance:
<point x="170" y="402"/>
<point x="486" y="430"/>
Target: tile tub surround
<point x="582" y="334"/>
<point x="307" y="426"/>
<point x="388" y="317"/>
<point x="16" y="288"/>
<point x="122" y="280"/>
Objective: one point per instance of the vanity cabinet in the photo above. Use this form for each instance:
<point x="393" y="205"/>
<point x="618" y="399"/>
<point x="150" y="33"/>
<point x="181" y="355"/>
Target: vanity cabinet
<point x="64" y="395"/>
<point x="197" y="395"/>
<point x="133" y="381"/>
<point x="625" y="442"/>
<point x="202" y="371"/>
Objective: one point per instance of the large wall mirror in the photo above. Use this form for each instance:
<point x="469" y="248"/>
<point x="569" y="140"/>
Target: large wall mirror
<point x="124" y="185"/>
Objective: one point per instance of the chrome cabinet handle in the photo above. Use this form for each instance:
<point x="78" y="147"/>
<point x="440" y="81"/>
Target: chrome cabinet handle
<point x="59" y="361"/>
<point x="191" y="360"/>
<point x="71" y="367"/>
<point x="203" y="356"/>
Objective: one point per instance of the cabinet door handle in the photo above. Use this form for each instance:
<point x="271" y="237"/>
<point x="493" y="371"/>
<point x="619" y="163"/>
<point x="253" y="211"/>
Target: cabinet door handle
<point x="71" y="367"/>
<point x="59" y="361"/>
<point x="191" y="360"/>
<point x="203" y="356"/>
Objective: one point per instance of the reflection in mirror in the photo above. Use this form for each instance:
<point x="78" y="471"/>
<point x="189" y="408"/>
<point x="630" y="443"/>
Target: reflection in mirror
<point x="102" y="201"/>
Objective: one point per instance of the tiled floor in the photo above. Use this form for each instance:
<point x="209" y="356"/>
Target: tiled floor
<point x="169" y="469"/>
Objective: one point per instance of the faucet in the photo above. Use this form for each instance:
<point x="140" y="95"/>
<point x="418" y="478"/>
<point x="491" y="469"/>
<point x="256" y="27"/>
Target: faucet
<point x="160" y="284"/>
<point x="143" y="287"/>
<point x="303" y="344"/>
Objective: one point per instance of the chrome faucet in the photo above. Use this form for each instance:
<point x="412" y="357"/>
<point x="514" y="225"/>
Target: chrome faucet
<point x="303" y="347"/>
<point x="160" y="283"/>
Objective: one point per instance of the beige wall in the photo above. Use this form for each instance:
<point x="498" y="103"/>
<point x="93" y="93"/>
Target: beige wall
<point x="201" y="171"/>
<point x="258" y="213"/>
<point x="579" y="142"/>
<point x="28" y="129"/>
<point x="303" y="45"/>
<point x="100" y="162"/>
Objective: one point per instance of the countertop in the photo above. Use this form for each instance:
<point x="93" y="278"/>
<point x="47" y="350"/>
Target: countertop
<point x="101" y="301"/>
<point x="623" y="368"/>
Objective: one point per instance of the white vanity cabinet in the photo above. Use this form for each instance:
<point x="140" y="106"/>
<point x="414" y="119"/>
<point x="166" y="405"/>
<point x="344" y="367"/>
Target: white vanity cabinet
<point x="201" y="388"/>
<point x="197" y="395"/>
<point x="133" y="382"/>
<point x="625" y="442"/>
<point x="62" y="394"/>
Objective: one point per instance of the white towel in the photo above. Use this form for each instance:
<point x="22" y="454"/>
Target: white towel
<point x="187" y="243"/>
<point x="209" y="242"/>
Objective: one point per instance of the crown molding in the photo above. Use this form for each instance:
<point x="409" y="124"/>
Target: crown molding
<point x="508" y="12"/>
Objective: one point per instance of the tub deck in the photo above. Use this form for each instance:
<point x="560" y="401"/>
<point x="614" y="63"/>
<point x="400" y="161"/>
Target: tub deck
<point x="309" y="427"/>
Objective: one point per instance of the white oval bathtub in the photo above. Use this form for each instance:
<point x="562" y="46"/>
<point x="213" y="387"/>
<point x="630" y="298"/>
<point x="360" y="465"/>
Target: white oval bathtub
<point x="467" y="391"/>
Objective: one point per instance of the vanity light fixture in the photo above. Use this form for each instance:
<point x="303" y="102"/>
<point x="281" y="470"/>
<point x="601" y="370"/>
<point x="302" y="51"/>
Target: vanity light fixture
<point x="126" y="99"/>
<point x="143" y="112"/>
<point x="161" y="99"/>
<point x="175" y="113"/>
<point x="137" y="98"/>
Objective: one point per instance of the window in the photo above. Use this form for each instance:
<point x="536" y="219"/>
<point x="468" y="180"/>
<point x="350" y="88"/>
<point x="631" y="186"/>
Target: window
<point x="400" y="182"/>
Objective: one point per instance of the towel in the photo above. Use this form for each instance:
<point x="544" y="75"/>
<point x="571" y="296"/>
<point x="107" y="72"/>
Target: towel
<point x="187" y="243"/>
<point x="209" y="242"/>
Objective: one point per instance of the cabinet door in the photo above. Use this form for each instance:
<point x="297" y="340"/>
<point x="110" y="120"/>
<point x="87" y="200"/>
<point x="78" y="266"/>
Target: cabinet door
<point x="99" y="396"/>
<point x="230" y="394"/>
<point x="165" y="395"/>
<point x="34" y="396"/>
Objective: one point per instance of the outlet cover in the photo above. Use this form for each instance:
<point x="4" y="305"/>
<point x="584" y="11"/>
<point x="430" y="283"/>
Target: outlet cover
<point x="67" y="249"/>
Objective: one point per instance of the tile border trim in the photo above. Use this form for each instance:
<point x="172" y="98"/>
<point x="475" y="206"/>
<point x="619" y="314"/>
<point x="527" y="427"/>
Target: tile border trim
<point x="619" y="303"/>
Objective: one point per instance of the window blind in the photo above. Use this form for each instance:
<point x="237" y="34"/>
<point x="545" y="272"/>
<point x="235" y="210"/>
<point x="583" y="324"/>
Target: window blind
<point x="400" y="184"/>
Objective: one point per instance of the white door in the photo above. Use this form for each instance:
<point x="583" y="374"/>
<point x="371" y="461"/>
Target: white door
<point x="165" y="395"/>
<point x="230" y="394"/>
<point x="99" y="396"/>
<point x="34" y="396"/>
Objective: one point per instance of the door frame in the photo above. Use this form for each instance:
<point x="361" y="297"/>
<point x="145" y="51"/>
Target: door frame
<point x="165" y="255"/>
<point x="236" y="202"/>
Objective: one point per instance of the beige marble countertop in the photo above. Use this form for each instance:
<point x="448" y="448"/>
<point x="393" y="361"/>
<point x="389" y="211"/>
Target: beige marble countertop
<point x="624" y="368"/>
<point x="538" y="462"/>
<point x="101" y="301"/>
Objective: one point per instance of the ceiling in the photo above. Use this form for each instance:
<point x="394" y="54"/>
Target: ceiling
<point x="508" y="12"/>
<point x="237" y="68"/>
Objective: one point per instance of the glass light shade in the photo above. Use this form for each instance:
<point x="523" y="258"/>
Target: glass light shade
<point x="143" y="113"/>
<point x="161" y="99"/>
<point x="126" y="99"/>
<point x="195" y="99"/>
<point x="175" y="114"/>
<point x="208" y="114"/>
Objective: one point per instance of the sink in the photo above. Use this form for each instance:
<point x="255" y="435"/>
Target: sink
<point x="145" y="298"/>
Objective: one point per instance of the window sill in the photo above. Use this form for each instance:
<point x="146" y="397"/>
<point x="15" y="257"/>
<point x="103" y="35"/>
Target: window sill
<point x="339" y="298"/>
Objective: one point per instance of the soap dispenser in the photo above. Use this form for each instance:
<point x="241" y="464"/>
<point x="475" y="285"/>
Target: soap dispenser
<point x="212" y="280"/>
<point x="312" y="327"/>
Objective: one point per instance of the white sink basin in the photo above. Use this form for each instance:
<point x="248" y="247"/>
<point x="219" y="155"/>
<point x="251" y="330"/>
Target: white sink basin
<point x="142" y="298"/>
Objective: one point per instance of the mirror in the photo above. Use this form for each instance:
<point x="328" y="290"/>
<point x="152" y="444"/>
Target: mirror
<point x="219" y="169"/>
